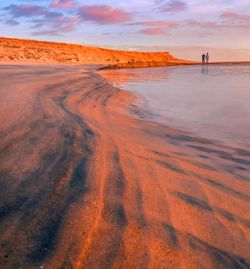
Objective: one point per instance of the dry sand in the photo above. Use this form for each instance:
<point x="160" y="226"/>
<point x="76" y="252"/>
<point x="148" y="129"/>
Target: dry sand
<point x="87" y="181"/>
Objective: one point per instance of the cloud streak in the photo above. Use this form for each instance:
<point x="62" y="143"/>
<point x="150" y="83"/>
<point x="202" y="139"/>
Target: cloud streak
<point x="172" y="6"/>
<point x="25" y="10"/>
<point x="169" y="24"/>
<point x="236" y="17"/>
<point x="62" y="4"/>
<point x="154" y="31"/>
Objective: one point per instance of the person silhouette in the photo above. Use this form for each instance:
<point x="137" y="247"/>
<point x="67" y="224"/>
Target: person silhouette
<point x="203" y="58"/>
<point x="207" y="58"/>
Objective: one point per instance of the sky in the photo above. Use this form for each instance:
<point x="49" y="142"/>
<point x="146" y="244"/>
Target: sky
<point x="186" y="28"/>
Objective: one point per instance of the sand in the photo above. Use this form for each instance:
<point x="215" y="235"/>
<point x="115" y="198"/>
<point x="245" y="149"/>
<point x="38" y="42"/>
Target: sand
<point x="88" y="181"/>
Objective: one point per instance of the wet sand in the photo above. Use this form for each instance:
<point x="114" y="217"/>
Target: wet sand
<point x="212" y="101"/>
<point x="88" y="181"/>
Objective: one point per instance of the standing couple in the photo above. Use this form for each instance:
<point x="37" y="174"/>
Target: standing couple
<point x="205" y="58"/>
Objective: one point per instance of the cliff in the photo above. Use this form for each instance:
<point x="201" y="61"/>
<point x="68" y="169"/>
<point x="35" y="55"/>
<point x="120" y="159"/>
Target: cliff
<point x="31" y="51"/>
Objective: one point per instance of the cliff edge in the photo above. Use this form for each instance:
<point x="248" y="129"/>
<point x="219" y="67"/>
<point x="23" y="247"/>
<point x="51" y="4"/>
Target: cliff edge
<point x="31" y="51"/>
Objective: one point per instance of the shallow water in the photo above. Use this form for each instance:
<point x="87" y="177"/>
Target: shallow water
<point x="212" y="101"/>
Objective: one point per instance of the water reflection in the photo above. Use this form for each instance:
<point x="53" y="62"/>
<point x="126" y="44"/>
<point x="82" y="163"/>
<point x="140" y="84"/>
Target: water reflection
<point x="123" y="76"/>
<point x="211" y="100"/>
<point x="204" y="69"/>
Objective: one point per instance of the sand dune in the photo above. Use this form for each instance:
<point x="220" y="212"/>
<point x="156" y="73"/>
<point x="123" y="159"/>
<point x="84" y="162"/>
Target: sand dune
<point x="31" y="51"/>
<point x="88" y="182"/>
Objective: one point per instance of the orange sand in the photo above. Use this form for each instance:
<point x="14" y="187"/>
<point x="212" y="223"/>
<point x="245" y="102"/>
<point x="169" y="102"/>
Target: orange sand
<point x="31" y="51"/>
<point x="88" y="182"/>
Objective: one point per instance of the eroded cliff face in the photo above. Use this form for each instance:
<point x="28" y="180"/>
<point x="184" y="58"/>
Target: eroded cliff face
<point x="30" y="51"/>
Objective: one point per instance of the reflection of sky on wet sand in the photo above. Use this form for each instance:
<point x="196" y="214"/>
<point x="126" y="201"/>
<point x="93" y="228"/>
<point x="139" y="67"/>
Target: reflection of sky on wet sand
<point x="211" y="100"/>
<point x="123" y="76"/>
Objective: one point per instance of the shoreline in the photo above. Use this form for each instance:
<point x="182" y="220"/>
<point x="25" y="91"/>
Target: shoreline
<point x="148" y="65"/>
<point x="102" y="67"/>
<point x="102" y="188"/>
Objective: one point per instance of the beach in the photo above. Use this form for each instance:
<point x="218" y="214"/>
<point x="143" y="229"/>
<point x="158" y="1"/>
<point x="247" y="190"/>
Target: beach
<point x="89" y="181"/>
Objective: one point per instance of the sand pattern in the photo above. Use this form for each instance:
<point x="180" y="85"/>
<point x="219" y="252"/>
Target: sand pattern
<point x="88" y="181"/>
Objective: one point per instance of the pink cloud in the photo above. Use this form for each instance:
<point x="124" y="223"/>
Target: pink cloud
<point x="103" y="14"/>
<point x="236" y="17"/>
<point x="154" y="31"/>
<point x="235" y="20"/>
<point x="155" y="27"/>
<point x="62" y="3"/>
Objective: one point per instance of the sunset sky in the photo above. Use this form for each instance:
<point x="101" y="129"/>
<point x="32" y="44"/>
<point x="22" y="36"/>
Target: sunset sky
<point x="185" y="27"/>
